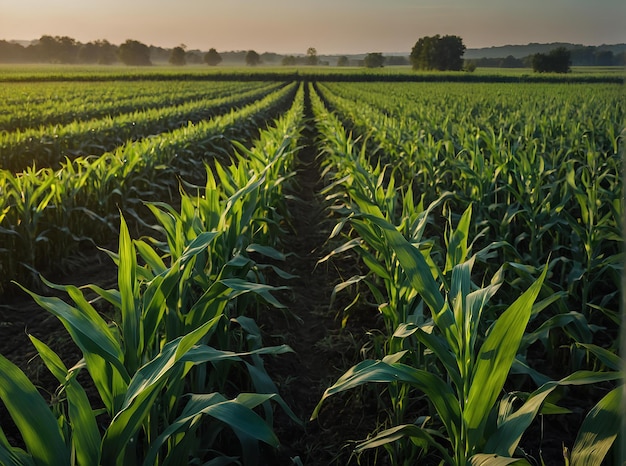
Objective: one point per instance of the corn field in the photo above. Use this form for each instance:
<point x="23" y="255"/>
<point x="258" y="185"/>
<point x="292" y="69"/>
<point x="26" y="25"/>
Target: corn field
<point x="477" y="225"/>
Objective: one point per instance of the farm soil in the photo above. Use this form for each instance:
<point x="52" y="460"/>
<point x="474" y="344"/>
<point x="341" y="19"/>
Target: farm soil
<point x="323" y="348"/>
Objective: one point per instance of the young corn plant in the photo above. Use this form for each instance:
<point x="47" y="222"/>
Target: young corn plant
<point x="474" y="363"/>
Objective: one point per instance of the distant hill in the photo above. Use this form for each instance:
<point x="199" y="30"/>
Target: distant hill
<point x="521" y="51"/>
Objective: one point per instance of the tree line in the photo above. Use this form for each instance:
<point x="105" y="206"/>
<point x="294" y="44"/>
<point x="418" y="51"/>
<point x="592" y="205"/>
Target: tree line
<point x="442" y="53"/>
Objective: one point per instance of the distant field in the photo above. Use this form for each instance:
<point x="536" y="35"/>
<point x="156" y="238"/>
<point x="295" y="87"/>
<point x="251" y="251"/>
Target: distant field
<point x="38" y="72"/>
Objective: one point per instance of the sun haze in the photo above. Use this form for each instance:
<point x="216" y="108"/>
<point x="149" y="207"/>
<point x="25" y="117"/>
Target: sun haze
<point x="290" y="26"/>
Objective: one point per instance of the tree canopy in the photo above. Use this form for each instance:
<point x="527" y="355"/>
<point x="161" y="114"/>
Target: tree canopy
<point x="556" y="61"/>
<point x="342" y="61"/>
<point x="438" y="53"/>
<point x="212" y="57"/>
<point x="134" y="53"/>
<point x="374" y="60"/>
<point x="177" y="56"/>
<point x="252" y="58"/>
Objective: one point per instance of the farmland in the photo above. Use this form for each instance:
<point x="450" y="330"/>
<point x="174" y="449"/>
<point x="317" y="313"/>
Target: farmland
<point x="298" y="267"/>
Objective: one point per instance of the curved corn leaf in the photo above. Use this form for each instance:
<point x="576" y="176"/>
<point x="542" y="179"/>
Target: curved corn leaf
<point x="438" y="391"/>
<point x="599" y="430"/>
<point x="84" y="429"/>
<point x="495" y="359"/>
<point x="505" y="439"/>
<point x="484" y="459"/>
<point x="41" y="434"/>
<point x="418" y="435"/>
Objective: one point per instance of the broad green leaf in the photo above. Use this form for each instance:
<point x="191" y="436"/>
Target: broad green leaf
<point x="85" y="434"/>
<point x="418" y="436"/>
<point x="437" y="390"/>
<point x="240" y="287"/>
<point x="127" y="282"/>
<point x="32" y="416"/>
<point x="91" y="336"/>
<point x="599" y="430"/>
<point x="505" y="439"/>
<point x="495" y="359"/>
<point x="483" y="459"/>
<point x="609" y="359"/>
<point x="457" y="248"/>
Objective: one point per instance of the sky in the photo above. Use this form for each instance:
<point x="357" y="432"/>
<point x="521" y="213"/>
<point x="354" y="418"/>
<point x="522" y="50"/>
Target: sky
<point x="331" y="26"/>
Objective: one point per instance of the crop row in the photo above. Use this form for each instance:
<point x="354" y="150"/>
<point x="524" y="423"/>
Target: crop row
<point x="50" y="145"/>
<point x="432" y="270"/>
<point x="545" y="186"/>
<point x="33" y="105"/>
<point x="179" y="367"/>
<point x="45" y="213"/>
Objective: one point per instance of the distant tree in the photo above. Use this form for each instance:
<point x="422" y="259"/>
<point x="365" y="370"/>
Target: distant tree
<point x="58" y="49"/>
<point x="177" y="56"/>
<point x="342" y="61"/>
<point x="107" y="52"/>
<point x="374" y="60"/>
<point x="134" y="53"/>
<point x="604" y="58"/>
<point x="212" y="57"/>
<point x="311" y="56"/>
<point x="556" y="61"/>
<point x="438" y="53"/>
<point x="194" y="57"/>
<point x="12" y="53"/>
<point x="469" y="66"/>
<point x="252" y="58"/>
<point x="288" y="60"/>
<point x="88" y="53"/>
<point x="270" y="57"/>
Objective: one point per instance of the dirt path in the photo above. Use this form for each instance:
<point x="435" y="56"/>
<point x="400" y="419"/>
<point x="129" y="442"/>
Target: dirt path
<point x="323" y="350"/>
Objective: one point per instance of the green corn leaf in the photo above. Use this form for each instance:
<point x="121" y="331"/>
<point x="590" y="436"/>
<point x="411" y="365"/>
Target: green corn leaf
<point x="240" y="287"/>
<point x="437" y="390"/>
<point x="505" y="439"/>
<point x="437" y="344"/>
<point x="266" y="251"/>
<point x="418" y="435"/>
<point x="495" y="359"/>
<point x="495" y="460"/>
<point x="93" y="337"/>
<point x="32" y="416"/>
<point x="15" y="457"/>
<point x="85" y="434"/>
<point x="609" y="359"/>
<point x="235" y="413"/>
<point x="599" y="430"/>
<point x="457" y="247"/>
<point x="126" y="278"/>
<point x="143" y="391"/>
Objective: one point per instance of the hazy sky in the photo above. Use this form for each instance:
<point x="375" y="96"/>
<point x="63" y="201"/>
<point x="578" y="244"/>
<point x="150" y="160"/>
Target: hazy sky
<point x="332" y="26"/>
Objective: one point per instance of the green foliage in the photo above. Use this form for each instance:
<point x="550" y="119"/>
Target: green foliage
<point x="134" y="53"/>
<point x="374" y="60"/>
<point x="177" y="56"/>
<point x="438" y="53"/>
<point x="556" y="61"/>
<point x="252" y="58"/>
<point x="178" y="328"/>
<point x="212" y="57"/>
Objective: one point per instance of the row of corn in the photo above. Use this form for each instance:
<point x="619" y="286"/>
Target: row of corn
<point x="179" y="367"/>
<point x="453" y="353"/>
